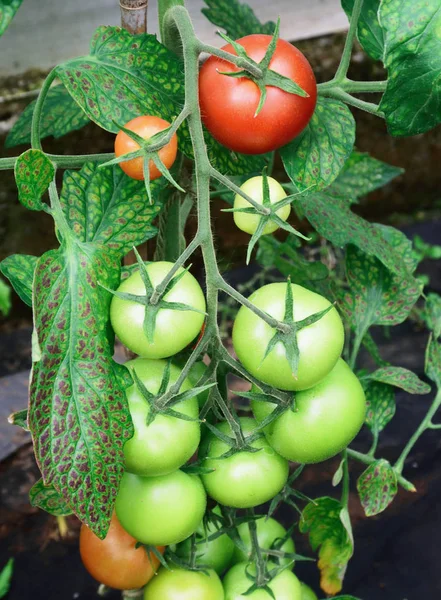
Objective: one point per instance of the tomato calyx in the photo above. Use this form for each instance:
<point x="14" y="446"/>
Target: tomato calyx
<point x="267" y="76"/>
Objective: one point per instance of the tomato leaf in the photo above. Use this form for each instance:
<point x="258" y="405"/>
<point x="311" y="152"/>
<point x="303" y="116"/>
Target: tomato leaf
<point x="412" y="56"/>
<point x="5" y="298"/>
<point x="5" y="577"/>
<point x="8" y="8"/>
<point x="237" y="19"/>
<point x="380" y="403"/>
<point x="401" y="378"/>
<point x="20" y="419"/>
<point x="317" y="155"/>
<point x="33" y="174"/>
<point x="123" y="77"/>
<point x="105" y="206"/>
<point x="362" y="174"/>
<point x="322" y="520"/>
<point x="78" y="414"/>
<point x="431" y="314"/>
<point x="47" y="498"/>
<point x="377" y="487"/>
<point x="19" y="269"/>
<point x="369" y="31"/>
<point x="433" y="361"/>
<point x="61" y="114"/>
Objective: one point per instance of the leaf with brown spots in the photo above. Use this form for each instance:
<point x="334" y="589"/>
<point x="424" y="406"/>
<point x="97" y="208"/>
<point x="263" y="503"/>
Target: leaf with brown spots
<point x="380" y="402"/>
<point x="377" y="487"/>
<point x="400" y="378"/>
<point x="47" y="498"/>
<point x="33" y="174"/>
<point x="78" y="413"/>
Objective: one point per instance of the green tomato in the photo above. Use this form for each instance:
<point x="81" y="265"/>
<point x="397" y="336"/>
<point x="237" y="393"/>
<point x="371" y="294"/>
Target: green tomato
<point x="215" y="554"/>
<point x="168" y="442"/>
<point x="253" y="187"/>
<point x="307" y="593"/>
<point x="285" y="586"/>
<point x="174" y="329"/>
<point x="320" y="344"/>
<point x="245" y="479"/>
<point x="268" y="531"/>
<point x="325" y="418"/>
<point x="161" y="510"/>
<point x="180" y="584"/>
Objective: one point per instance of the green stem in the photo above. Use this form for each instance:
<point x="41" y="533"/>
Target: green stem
<point x="256" y="552"/>
<point x="368" y="460"/>
<point x="358" y="338"/>
<point x="347" y="50"/>
<point x="353" y="87"/>
<point x="61" y="161"/>
<point x="57" y="213"/>
<point x="238" y="61"/>
<point x="172" y="230"/>
<point x="36" y="116"/>
<point x="237" y="190"/>
<point x="339" y="94"/>
<point x="345" y="490"/>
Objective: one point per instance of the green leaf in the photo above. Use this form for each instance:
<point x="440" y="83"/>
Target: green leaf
<point x="47" y="498"/>
<point x="123" y="77"/>
<point x="6" y="572"/>
<point x="5" y="298"/>
<point x="33" y="174"/>
<point x="322" y="520"/>
<point x="332" y="218"/>
<point x="433" y="361"/>
<point x="8" y="8"/>
<point x="237" y="19"/>
<point x="401" y="378"/>
<point x="317" y="155"/>
<point x="19" y="269"/>
<point x="377" y="487"/>
<point x="369" y="32"/>
<point x="431" y="313"/>
<point x="380" y="402"/>
<point x="412" y="57"/>
<point x="362" y="174"/>
<point x="61" y="114"/>
<point x="19" y="418"/>
<point x="78" y="413"/>
<point x="105" y="206"/>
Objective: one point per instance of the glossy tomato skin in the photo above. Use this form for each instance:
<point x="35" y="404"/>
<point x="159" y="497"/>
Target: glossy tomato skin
<point x="174" y="329"/>
<point x="180" y="584"/>
<point x="326" y="418"/>
<point x="285" y="586"/>
<point x="253" y="187"/>
<point x="215" y="554"/>
<point x="268" y="531"/>
<point x="307" y="593"/>
<point x="168" y="442"/>
<point x="145" y="126"/>
<point x="115" y="561"/>
<point x="228" y="104"/>
<point x="161" y="510"/>
<point x="245" y="479"/>
<point x="320" y="344"/>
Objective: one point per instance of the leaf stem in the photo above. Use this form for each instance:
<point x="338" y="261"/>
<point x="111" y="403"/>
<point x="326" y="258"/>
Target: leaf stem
<point x="339" y="94"/>
<point x="368" y="460"/>
<point x="36" y="116"/>
<point x="345" y="488"/>
<point x="239" y="61"/>
<point x="264" y="210"/>
<point x="61" y="161"/>
<point x="349" y="43"/>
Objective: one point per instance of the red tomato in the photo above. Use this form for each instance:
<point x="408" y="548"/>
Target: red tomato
<point x="228" y="104"/>
<point x="146" y="127"/>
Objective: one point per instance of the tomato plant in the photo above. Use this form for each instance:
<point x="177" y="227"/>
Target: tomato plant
<point x="307" y="593"/>
<point x="126" y="437"/>
<point x="229" y="104"/>
<point x="116" y="561"/>
<point x="146" y="127"/>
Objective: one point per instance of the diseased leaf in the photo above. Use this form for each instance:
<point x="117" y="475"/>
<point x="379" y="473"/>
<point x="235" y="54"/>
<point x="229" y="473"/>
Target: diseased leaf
<point x="8" y="8"/>
<point x="60" y="115"/>
<point x="123" y="77"/>
<point x="105" y="206"/>
<point x="33" y="174"/>
<point x="412" y="57"/>
<point x="401" y="378"/>
<point x="322" y="520"/>
<point x="238" y="19"/>
<point x="377" y="487"/>
<point x="362" y="174"/>
<point x="317" y="155"/>
<point x="369" y="32"/>
<point x="19" y="269"/>
<point x="432" y="314"/>
<point x="47" y="498"/>
<point x="433" y="361"/>
<point x="380" y="402"/>
<point x="78" y="413"/>
<point x="5" y="577"/>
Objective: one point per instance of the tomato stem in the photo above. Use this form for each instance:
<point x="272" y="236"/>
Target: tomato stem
<point x="349" y="43"/>
<point x="36" y="115"/>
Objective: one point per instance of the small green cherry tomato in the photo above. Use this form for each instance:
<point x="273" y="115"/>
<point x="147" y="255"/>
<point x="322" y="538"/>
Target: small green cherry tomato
<point x="168" y="442"/>
<point x="161" y="510"/>
<point x="254" y="188"/>
<point x="285" y="586"/>
<point x="268" y="532"/>
<point x="180" y="584"/>
<point x="307" y="593"/>
<point x="174" y="329"/>
<point x="215" y="554"/>
<point x="325" y="418"/>
<point x="245" y="479"/>
<point x="320" y="344"/>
